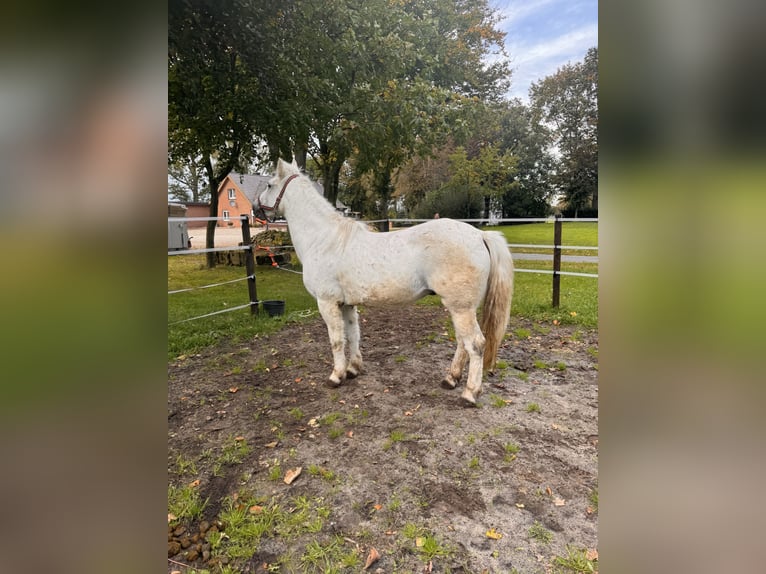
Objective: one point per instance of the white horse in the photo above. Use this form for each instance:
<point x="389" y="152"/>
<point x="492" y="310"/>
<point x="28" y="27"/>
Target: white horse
<point x="345" y="265"/>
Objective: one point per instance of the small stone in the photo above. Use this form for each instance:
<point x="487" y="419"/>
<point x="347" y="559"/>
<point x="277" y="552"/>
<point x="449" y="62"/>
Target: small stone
<point x="185" y="542"/>
<point x="195" y="538"/>
<point x="173" y="548"/>
<point x="206" y="555"/>
<point x="204" y="526"/>
<point x="179" y="531"/>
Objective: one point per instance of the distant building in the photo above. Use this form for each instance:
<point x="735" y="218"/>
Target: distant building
<point x="236" y="196"/>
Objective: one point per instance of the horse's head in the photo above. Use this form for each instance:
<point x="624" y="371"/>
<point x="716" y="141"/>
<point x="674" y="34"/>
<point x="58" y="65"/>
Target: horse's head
<point x="269" y="201"/>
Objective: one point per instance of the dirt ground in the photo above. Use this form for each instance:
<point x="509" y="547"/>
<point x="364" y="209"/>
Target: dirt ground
<point x="397" y="463"/>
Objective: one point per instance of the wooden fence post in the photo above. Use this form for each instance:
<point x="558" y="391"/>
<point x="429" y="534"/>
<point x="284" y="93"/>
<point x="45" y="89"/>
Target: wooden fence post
<point x="556" y="261"/>
<point x="249" y="265"/>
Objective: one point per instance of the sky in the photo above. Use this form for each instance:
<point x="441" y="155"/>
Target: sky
<point x="543" y="35"/>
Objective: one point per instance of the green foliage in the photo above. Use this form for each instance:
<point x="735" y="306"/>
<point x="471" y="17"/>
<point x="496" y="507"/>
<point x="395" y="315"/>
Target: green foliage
<point x="567" y="102"/>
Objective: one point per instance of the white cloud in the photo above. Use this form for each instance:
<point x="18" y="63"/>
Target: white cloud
<point x="516" y="12"/>
<point x="532" y="62"/>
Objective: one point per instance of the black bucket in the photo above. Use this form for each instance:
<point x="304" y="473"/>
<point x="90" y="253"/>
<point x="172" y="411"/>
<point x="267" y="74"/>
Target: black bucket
<point x="274" y="308"/>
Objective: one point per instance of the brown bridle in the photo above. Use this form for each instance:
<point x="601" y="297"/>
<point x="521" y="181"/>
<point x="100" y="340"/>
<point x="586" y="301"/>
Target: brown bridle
<point x="262" y="208"/>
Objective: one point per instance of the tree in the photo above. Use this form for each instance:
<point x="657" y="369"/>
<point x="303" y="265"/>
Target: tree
<point x="567" y="102"/>
<point x="188" y="181"/>
<point x="212" y="89"/>
<point x="528" y="140"/>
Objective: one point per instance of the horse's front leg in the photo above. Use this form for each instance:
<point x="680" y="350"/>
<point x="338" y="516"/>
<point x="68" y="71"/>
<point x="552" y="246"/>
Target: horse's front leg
<point x="333" y="318"/>
<point x="351" y="323"/>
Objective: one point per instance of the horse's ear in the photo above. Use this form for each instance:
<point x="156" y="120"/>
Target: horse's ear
<point x="281" y="168"/>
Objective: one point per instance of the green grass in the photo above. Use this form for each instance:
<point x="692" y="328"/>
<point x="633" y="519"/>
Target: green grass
<point x="184" y="502"/>
<point x="186" y="271"/>
<point x="533" y="291"/>
<point x="538" y="532"/>
<point x="533" y="408"/>
<point x="576" y="560"/>
<point x="582" y="234"/>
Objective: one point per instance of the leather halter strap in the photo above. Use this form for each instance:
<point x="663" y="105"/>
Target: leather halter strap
<point x="279" y="197"/>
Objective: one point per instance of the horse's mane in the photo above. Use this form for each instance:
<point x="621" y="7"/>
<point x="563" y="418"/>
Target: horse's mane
<point x="345" y="227"/>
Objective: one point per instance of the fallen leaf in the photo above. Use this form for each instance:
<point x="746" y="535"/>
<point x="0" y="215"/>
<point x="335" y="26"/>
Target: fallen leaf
<point x="194" y="483"/>
<point x="407" y="413"/>
<point x="233" y="389"/>
<point x="420" y="541"/>
<point x="590" y="510"/>
<point x="350" y="434"/>
<point x="591" y="554"/>
<point x="372" y="558"/>
<point x="272" y="444"/>
<point x="239" y="438"/>
<point x="390" y="532"/>
<point x="292" y="474"/>
<point x="298" y="379"/>
<point x="171" y="517"/>
<point x="555" y="321"/>
<point x="342" y="401"/>
<point x="175" y="572"/>
<point x="494" y="534"/>
<point x="519" y="505"/>
<point x="573" y="313"/>
<point x="255" y="509"/>
<point x="549" y="491"/>
<point x="558" y="501"/>
<point x="378" y="506"/>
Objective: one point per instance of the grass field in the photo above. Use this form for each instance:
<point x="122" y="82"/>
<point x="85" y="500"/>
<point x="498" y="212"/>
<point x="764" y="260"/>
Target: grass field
<point x="572" y="233"/>
<point x="532" y="293"/>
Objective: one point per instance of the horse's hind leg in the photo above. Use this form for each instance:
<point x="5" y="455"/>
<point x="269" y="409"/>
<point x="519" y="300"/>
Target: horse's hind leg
<point x="456" y="368"/>
<point x="351" y="323"/>
<point x="333" y="318"/>
<point x="468" y="333"/>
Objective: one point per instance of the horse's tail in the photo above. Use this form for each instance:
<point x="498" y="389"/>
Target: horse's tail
<point x="497" y="301"/>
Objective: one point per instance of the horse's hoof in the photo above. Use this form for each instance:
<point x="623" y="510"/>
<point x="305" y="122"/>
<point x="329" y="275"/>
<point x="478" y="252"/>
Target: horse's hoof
<point x="351" y="374"/>
<point x="467" y="403"/>
<point x="332" y="383"/>
<point x="447" y="384"/>
<point x="468" y="398"/>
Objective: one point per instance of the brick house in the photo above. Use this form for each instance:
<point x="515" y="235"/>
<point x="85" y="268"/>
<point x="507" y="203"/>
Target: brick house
<point x="236" y="196"/>
<point x="197" y="209"/>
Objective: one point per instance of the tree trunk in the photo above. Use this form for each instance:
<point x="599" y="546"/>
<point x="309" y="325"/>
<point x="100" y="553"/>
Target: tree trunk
<point x="210" y="231"/>
<point x="301" y="151"/>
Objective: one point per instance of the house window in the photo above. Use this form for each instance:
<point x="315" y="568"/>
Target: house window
<point x="232" y="193"/>
<point x="226" y="216"/>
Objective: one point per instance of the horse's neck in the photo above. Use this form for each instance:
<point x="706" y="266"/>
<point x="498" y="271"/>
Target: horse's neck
<point x="310" y="217"/>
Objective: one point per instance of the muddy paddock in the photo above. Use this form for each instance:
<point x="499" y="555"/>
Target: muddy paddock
<point x="389" y="461"/>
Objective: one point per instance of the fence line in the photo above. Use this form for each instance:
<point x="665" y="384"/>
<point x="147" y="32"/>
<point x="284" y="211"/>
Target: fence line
<point x="237" y="308"/>
<point x="250" y="264"/>
<point x="211" y="285"/>
<point x="538" y="246"/>
<point x="210" y="250"/>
